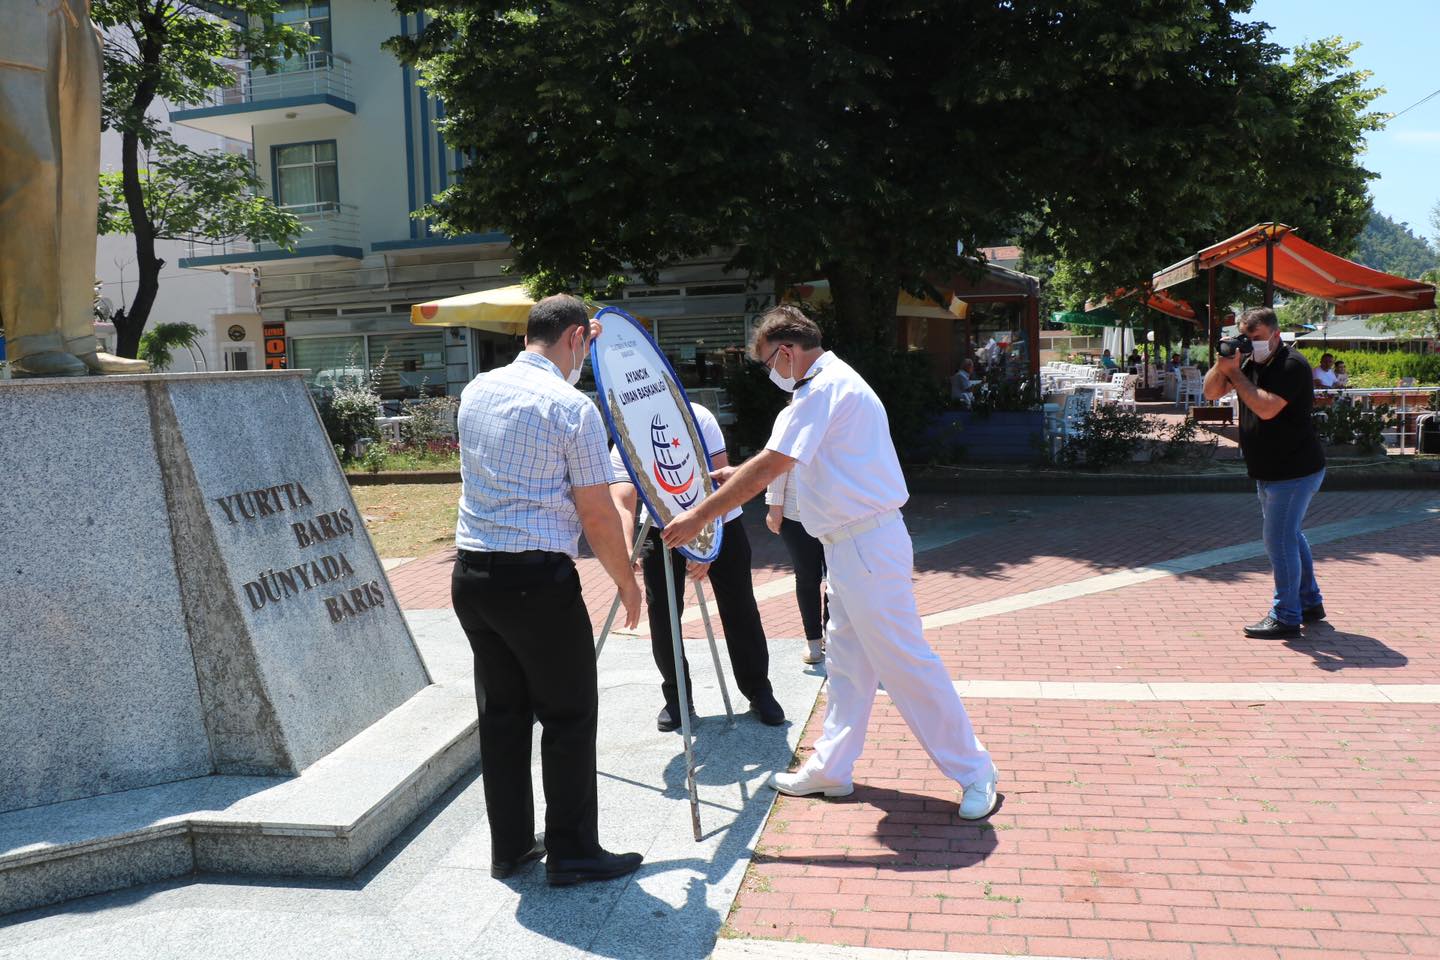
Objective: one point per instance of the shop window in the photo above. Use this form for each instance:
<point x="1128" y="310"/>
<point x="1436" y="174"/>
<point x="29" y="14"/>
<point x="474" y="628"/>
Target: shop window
<point x="998" y="341"/>
<point x="333" y="362"/>
<point x="408" y="365"/>
<point x="701" y="348"/>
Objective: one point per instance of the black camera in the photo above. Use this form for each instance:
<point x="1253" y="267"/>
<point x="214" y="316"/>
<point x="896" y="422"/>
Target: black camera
<point x="1236" y="344"/>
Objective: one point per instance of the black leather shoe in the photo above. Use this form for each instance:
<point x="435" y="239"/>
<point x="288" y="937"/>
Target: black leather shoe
<point x="602" y="866"/>
<point x="1313" y="614"/>
<point x="669" y="718"/>
<point x="501" y="869"/>
<point x="768" y="709"/>
<point x="1270" y="627"/>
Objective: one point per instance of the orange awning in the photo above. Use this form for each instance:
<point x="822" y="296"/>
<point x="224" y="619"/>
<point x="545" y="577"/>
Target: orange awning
<point x="1304" y="268"/>
<point x="1168" y="305"/>
<point x="1155" y="300"/>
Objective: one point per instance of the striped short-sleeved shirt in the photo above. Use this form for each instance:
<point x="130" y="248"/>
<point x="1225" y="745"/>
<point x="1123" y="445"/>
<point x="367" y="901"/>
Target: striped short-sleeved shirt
<point x="526" y="438"/>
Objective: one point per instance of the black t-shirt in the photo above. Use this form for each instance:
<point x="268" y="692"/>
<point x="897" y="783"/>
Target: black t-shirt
<point x="1285" y="446"/>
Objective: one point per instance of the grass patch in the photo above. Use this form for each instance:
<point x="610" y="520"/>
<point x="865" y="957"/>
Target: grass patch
<point x="408" y="519"/>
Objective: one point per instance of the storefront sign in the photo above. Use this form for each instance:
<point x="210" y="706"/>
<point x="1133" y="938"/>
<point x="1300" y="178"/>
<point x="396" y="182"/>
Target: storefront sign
<point x="1187" y="269"/>
<point x="649" y="418"/>
<point x="274" y="334"/>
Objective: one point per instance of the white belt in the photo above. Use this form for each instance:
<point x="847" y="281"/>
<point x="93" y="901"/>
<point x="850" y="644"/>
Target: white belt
<point x="851" y="530"/>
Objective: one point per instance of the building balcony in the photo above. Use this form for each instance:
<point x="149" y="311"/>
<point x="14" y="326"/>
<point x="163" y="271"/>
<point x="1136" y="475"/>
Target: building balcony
<point x="331" y="232"/>
<point x="313" y="86"/>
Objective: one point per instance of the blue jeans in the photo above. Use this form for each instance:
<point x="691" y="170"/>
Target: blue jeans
<point x="1282" y="505"/>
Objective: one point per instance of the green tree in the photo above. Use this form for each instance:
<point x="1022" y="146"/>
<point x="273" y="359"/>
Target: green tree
<point x="860" y="141"/>
<point x="1415" y="323"/>
<point x="159" y="343"/>
<point x="173" y="51"/>
<point x="1273" y="138"/>
<point x="1391" y="246"/>
<point x="1302" y="311"/>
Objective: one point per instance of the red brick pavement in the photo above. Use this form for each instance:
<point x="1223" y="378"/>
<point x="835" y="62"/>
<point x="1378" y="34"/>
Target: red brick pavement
<point x="1131" y="831"/>
<point x="1380" y="593"/>
<point x="1144" y="830"/>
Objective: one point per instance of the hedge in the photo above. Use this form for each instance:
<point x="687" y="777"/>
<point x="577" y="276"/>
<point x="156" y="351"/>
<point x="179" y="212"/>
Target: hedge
<point x="1368" y="368"/>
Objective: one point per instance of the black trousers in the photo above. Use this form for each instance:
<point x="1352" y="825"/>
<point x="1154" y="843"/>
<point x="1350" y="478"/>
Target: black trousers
<point x="739" y="617"/>
<point x="808" y="557"/>
<point x="534" y="659"/>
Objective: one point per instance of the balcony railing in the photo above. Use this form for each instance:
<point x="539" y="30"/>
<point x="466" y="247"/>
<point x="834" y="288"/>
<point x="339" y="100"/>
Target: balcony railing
<point x="312" y="73"/>
<point x="324" y="224"/>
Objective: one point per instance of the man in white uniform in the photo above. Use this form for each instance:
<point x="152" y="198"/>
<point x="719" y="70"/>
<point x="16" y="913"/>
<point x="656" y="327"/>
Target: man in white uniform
<point x="837" y="439"/>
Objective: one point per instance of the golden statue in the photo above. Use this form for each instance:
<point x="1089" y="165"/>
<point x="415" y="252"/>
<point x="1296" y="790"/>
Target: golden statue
<point x="50" y="58"/>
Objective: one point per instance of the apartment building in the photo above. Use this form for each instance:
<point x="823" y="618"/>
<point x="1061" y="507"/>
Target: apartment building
<point x="346" y="139"/>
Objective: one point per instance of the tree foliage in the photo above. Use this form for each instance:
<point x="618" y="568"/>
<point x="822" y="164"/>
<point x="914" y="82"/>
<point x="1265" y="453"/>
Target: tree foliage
<point x="175" y="51"/>
<point x="1307" y="312"/>
<point x="1269" y="139"/>
<point x="1391" y="246"/>
<point x="1415" y="323"/>
<point x="860" y="141"/>
<point x="206" y="194"/>
<point x="158" y="344"/>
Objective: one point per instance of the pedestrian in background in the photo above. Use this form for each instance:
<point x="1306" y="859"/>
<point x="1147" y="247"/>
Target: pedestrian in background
<point x="729" y="575"/>
<point x="534" y="472"/>
<point x="807" y="558"/>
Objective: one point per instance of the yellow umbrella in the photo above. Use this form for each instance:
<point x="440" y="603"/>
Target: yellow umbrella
<point x="906" y="305"/>
<point x="501" y="310"/>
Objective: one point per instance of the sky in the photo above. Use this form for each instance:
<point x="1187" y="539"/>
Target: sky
<point x="1400" y="45"/>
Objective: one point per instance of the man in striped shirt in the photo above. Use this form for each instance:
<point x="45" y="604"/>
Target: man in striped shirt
<point x="534" y="473"/>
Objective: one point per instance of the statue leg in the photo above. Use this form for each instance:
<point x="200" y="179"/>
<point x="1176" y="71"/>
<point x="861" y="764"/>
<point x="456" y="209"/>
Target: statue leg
<point x="79" y="133"/>
<point x="29" y="234"/>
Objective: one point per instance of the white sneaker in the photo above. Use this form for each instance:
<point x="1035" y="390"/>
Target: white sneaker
<point x="814" y="651"/>
<point x="979" y="800"/>
<point x="804" y="783"/>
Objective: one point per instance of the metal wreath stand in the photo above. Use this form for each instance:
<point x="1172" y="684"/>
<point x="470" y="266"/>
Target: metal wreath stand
<point x="680" y="672"/>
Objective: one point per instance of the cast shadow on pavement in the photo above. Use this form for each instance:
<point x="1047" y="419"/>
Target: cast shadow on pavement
<point x="922" y="833"/>
<point x="1334" y="650"/>
<point x="639" y="924"/>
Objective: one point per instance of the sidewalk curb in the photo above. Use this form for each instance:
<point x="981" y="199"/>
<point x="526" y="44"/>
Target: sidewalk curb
<point x="403" y="476"/>
<point x="752" y="949"/>
<point x="1042" y="482"/>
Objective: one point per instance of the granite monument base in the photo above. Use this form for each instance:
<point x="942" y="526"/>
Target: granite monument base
<point x="201" y="662"/>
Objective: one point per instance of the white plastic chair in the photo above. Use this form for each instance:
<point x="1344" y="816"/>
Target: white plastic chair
<point x="1191" y="390"/>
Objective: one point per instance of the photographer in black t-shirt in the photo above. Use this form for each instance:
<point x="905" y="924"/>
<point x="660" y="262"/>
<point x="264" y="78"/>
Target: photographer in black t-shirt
<point x="1282" y="454"/>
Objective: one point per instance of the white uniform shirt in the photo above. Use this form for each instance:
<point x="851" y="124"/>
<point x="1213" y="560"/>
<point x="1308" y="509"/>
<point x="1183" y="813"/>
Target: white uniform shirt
<point x="710" y="432"/>
<point x="837" y="431"/>
<point x="783" y="493"/>
<point x="1326" y="378"/>
<point x="526" y="437"/>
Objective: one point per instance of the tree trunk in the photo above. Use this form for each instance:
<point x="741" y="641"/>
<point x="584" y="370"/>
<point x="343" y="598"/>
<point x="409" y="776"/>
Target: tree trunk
<point x="137" y="313"/>
<point x="864" y="304"/>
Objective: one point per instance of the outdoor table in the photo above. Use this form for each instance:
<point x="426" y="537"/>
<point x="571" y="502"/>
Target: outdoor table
<point x="389" y="427"/>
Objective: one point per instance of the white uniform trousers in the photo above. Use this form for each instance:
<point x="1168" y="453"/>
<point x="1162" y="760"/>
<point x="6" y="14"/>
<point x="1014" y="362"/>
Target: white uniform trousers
<point x="875" y="637"/>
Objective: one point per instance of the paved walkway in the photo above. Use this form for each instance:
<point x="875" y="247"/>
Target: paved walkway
<point x="1170" y="788"/>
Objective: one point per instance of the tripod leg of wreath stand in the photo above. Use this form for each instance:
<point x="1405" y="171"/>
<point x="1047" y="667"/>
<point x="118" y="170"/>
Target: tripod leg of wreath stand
<point x="714" y="652"/>
<point x="682" y="685"/>
<point x="615" y="604"/>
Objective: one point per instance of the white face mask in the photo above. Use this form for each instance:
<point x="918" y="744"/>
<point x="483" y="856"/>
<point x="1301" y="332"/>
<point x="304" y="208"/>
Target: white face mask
<point x="1260" y="351"/>
<point x="573" y="377"/>
<point x="784" y="383"/>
